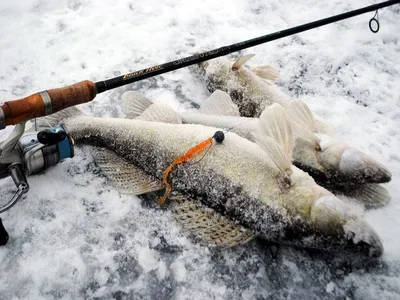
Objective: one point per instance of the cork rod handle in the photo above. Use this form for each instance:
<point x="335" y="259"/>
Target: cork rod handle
<point x="47" y="102"/>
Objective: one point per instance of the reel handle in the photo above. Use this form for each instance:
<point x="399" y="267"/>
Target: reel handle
<point x="46" y="102"/>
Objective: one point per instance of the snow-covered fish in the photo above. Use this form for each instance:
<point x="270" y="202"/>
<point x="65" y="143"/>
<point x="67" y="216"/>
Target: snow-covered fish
<point x="251" y="90"/>
<point x="333" y="164"/>
<point x="236" y="191"/>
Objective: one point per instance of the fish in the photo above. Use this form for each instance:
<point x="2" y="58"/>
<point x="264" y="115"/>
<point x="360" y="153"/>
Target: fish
<point x="332" y="164"/>
<point x="250" y="89"/>
<point x="237" y="190"/>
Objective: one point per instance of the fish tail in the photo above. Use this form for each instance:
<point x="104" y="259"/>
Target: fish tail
<point x="55" y="119"/>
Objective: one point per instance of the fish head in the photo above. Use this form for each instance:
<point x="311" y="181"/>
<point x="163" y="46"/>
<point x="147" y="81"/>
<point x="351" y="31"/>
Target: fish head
<point x="230" y="76"/>
<point x="330" y="161"/>
<point x="216" y="72"/>
<point x="336" y="221"/>
<point x="315" y="217"/>
<point x="335" y="224"/>
<point x="345" y="164"/>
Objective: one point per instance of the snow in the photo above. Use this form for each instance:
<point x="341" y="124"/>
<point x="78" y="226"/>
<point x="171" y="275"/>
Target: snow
<point x="75" y="237"/>
<point x="330" y="287"/>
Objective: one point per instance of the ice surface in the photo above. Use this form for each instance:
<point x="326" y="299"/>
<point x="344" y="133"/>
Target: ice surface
<point x="75" y="237"/>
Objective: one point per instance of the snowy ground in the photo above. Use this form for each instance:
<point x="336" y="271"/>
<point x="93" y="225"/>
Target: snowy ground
<point x="75" y="237"/>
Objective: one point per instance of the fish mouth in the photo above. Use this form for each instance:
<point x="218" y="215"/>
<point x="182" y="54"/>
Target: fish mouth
<point x="365" y="239"/>
<point x="343" y="230"/>
<point x="359" y="167"/>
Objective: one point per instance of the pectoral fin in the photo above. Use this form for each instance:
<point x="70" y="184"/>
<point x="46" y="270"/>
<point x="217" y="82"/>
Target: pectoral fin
<point x="303" y="122"/>
<point x="323" y="127"/>
<point x="209" y="226"/>
<point x="300" y="113"/>
<point x="126" y="177"/>
<point x="274" y="125"/>
<point x="306" y="135"/>
<point x="370" y="195"/>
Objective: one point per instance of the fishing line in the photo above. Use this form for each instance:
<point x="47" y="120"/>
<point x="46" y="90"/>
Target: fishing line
<point x="241" y="123"/>
<point x="46" y="122"/>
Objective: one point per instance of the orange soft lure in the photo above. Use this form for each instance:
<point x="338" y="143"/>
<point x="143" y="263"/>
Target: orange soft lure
<point x="218" y="136"/>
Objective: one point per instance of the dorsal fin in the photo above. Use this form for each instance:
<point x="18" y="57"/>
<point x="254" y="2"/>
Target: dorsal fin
<point x="241" y="61"/>
<point x="219" y="103"/>
<point x="300" y="113"/>
<point x="134" y="104"/>
<point x="266" y="72"/>
<point x="160" y="112"/>
<point x="275" y="136"/>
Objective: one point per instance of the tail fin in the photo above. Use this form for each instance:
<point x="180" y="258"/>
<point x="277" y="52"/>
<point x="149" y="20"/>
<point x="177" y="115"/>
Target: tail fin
<point x="160" y="112"/>
<point x="56" y="118"/>
<point x="134" y="104"/>
<point x="219" y="103"/>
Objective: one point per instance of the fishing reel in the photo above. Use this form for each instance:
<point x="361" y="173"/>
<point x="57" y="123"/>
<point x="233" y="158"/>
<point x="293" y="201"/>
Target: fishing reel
<point x="27" y="153"/>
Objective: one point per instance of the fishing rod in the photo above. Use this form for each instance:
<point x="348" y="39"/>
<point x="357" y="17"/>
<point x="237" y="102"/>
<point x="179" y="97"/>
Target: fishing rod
<point x="51" y="101"/>
<point x="26" y="153"/>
